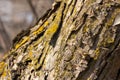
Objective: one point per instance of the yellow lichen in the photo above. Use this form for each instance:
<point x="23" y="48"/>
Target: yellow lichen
<point x="39" y="30"/>
<point x="4" y="74"/>
<point x="25" y="39"/>
<point x="85" y="29"/>
<point x="89" y="78"/>
<point x="112" y="18"/>
<point x="30" y="54"/>
<point x="2" y="66"/>
<point x="52" y="29"/>
<point x="97" y="52"/>
<point x="54" y="26"/>
<point x="46" y="23"/>
<point x="110" y="40"/>
<point x="110" y="21"/>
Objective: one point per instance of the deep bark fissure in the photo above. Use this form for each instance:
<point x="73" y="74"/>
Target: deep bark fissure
<point x="75" y="40"/>
<point x="20" y="36"/>
<point x="56" y="34"/>
<point x="118" y="74"/>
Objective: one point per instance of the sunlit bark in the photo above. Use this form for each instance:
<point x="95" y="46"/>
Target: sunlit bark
<point x="75" y="40"/>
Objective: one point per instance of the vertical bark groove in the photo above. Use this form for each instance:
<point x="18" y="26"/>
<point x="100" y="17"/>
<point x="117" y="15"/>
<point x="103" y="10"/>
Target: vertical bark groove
<point x="75" y="40"/>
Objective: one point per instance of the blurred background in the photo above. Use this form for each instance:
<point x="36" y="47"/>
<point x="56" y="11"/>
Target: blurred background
<point x="17" y="15"/>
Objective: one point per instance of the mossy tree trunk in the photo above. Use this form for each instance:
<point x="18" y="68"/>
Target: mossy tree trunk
<point x="75" y="40"/>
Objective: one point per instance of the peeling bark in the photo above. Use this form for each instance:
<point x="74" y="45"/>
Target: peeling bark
<point x="75" y="40"/>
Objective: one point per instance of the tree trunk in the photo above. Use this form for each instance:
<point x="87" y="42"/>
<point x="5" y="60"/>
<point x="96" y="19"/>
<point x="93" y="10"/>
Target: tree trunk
<point x="75" y="40"/>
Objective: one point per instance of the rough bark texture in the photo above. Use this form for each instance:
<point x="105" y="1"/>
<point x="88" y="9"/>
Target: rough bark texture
<point x="75" y="40"/>
<point x="18" y="15"/>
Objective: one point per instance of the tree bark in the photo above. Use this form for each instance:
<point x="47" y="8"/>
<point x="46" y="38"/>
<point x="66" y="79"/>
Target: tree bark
<point x="75" y="40"/>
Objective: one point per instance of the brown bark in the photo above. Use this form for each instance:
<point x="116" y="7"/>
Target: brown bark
<point x="75" y="40"/>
